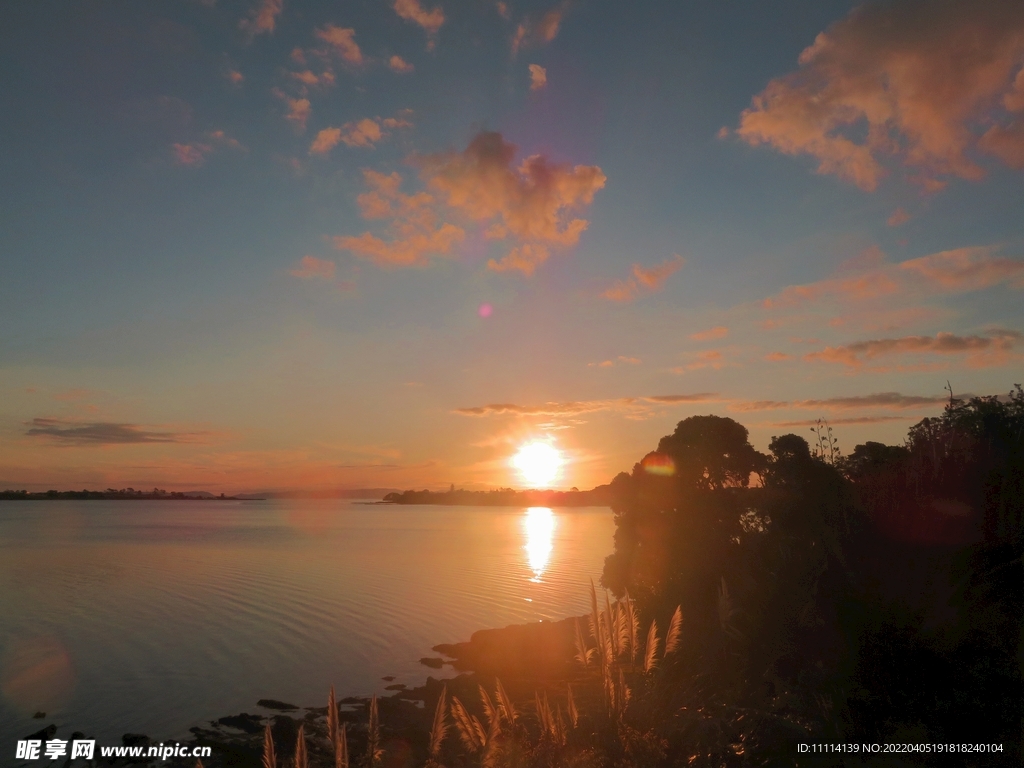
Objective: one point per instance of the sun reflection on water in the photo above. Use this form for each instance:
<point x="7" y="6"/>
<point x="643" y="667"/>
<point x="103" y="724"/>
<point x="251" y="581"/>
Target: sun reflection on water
<point x="539" y="527"/>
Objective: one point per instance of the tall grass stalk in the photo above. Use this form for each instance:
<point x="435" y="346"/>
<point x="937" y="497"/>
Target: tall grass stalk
<point x="269" y="758"/>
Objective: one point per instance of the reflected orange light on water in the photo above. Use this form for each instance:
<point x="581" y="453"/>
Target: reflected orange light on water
<point x="539" y="527"/>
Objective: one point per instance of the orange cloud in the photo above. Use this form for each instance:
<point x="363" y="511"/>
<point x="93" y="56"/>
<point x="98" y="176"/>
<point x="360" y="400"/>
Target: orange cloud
<point x="524" y="258"/>
<point x="263" y="18"/>
<point x="576" y="407"/>
<point x="621" y="359"/>
<point x="193" y="155"/>
<point x="311" y="268"/>
<point x="538" y="77"/>
<point x="919" y="76"/>
<point x="532" y="206"/>
<point x="718" y="332"/>
<point x="898" y="218"/>
<point x="343" y="41"/>
<point x="711" y="358"/>
<point x="411" y="10"/>
<point x="643" y="279"/>
<point x="535" y="33"/>
<point x="892" y="400"/>
<point x="363" y="133"/>
<point x="400" y="65"/>
<point x="414" y="224"/>
<point x="299" y="110"/>
<point x="955" y="271"/>
<point x="776" y="357"/>
<point x="983" y="351"/>
<point x="235" y="77"/>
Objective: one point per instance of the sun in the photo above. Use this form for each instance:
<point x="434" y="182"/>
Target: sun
<point x="538" y="463"/>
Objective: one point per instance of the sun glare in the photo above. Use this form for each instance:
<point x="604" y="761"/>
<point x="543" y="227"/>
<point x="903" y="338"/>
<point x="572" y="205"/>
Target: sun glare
<point x="538" y="463"/>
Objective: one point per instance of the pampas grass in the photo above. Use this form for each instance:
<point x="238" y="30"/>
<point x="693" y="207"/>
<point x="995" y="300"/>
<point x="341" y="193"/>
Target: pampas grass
<point x="269" y="758"/>
<point x="651" y="652"/>
<point x="373" y="751"/>
<point x="675" y="629"/>
<point x="301" y="758"/>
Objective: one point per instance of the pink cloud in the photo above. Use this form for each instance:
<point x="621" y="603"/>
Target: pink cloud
<point x="262" y="18"/>
<point x="235" y="77"/>
<point x="400" y="65"/>
<point x="193" y="155"/>
<point x="531" y="206"/>
<point x="920" y="77"/>
<point x="365" y="133"/>
<point x="299" y="110"/>
<point x="898" y="218"/>
<point x="543" y="31"/>
<point x="995" y="349"/>
<point x="343" y="41"/>
<point x="412" y="11"/>
<point x="718" y="332"/>
<point x="955" y="271"/>
<point x="538" y="77"/>
<point x="642" y="279"/>
<point x="417" y="234"/>
<point x="776" y="357"/>
<point x="312" y="268"/>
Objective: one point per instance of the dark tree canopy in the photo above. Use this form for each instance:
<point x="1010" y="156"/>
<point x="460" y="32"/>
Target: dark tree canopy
<point x="711" y="452"/>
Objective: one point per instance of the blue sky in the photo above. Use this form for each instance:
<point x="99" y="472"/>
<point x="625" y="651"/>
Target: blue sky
<point x="775" y="212"/>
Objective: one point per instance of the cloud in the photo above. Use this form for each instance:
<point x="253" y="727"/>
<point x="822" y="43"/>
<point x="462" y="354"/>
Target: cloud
<point x="299" y="110"/>
<point x="414" y="224"/>
<point x="983" y="351"/>
<point x="531" y="207"/>
<point x="533" y="202"/>
<point x="908" y="80"/>
<point x="643" y="279"/>
<point x="71" y="433"/>
<point x="365" y="133"/>
<point x="891" y="400"/>
<point x="411" y="10"/>
<point x="530" y="33"/>
<point x="221" y="138"/>
<point x="578" y="407"/>
<point x="775" y="357"/>
<point x="235" y="77"/>
<point x="538" y="77"/>
<point x="842" y="420"/>
<point x="309" y="78"/>
<point x="343" y="41"/>
<point x="192" y="155"/>
<point x="954" y="271"/>
<point x="263" y="18"/>
<point x="400" y="65"/>
<point x="718" y="332"/>
<point x="966" y="269"/>
<point x="312" y="268"/>
<point x="620" y="360"/>
<point x="898" y="218"/>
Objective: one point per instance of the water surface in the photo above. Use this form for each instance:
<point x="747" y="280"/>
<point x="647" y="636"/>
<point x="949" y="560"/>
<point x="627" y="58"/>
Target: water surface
<point x="149" y="616"/>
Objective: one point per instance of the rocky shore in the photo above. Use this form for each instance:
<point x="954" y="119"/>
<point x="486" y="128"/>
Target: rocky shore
<point x="526" y="658"/>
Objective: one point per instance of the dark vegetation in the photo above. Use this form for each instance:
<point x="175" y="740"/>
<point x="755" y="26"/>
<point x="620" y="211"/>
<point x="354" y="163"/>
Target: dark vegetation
<point x="157" y="494"/>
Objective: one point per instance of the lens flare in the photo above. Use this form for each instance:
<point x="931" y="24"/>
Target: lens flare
<point x="538" y="463"/>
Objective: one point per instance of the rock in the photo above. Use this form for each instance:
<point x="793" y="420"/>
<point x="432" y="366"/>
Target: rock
<point x="41" y="715"/>
<point x="44" y="734"/>
<point x="275" y="704"/>
<point x="432" y="663"/>
<point x="395" y="687"/>
<point x="388" y="678"/>
<point x="135" y="740"/>
<point x="244" y="722"/>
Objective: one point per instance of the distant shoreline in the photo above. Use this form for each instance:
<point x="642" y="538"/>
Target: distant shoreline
<point x="104" y="496"/>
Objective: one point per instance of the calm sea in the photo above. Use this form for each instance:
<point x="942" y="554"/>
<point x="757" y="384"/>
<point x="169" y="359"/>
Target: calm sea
<point x="152" y="617"/>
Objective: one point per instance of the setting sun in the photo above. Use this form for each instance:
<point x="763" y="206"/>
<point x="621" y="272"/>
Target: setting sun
<point x="538" y="463"/>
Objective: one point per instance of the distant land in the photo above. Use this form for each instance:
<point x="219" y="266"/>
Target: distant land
<point x="158" y="494"/>
<point x="601" y="496"/>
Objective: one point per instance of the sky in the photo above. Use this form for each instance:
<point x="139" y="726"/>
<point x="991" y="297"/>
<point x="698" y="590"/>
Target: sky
<point x="275" y="244"/>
